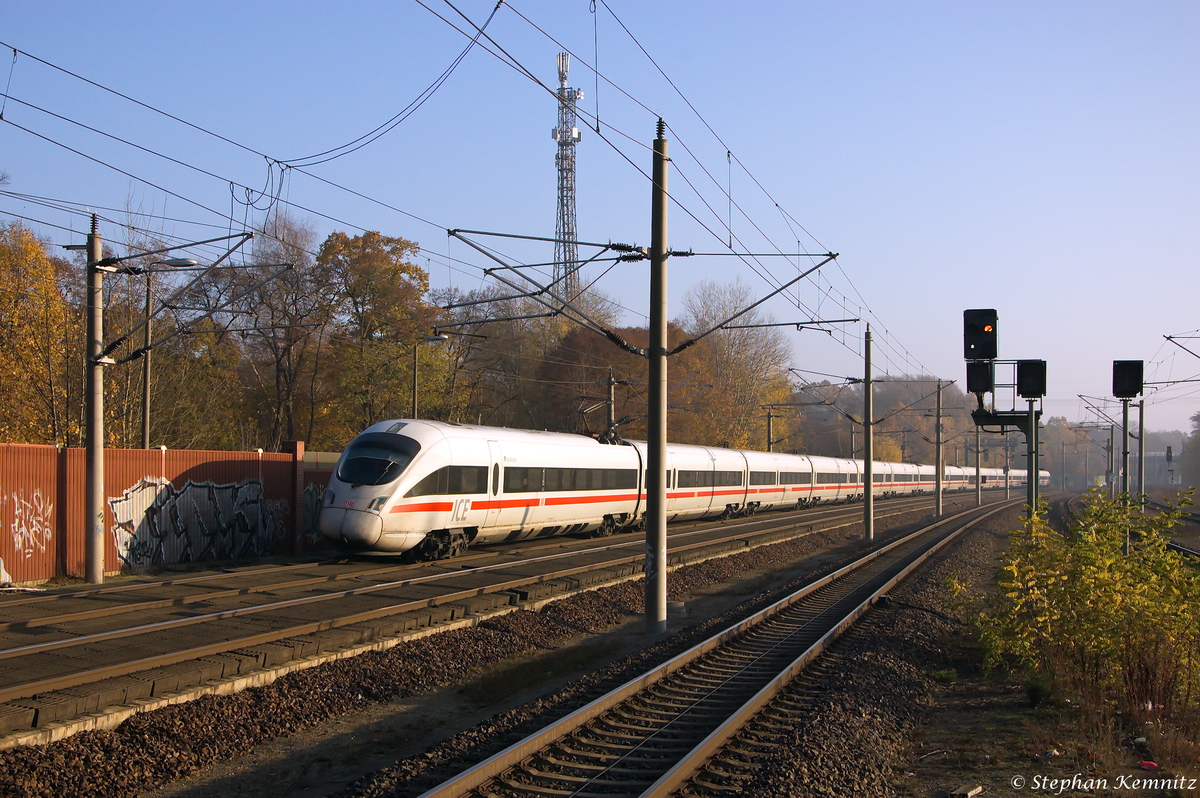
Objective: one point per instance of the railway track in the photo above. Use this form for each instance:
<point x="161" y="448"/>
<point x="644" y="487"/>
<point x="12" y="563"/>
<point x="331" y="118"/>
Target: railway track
<point x="1186" y="516"/>
<point x="1072" y="511"/>
<point x="193" y="629"/>
<point x="653" y="734"/>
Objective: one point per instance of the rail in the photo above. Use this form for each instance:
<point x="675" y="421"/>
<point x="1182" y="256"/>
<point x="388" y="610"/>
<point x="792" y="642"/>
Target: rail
<point x="629" y="741"/>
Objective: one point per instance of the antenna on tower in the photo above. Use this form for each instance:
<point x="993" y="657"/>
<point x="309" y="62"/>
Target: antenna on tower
<point x="566" y="249"/>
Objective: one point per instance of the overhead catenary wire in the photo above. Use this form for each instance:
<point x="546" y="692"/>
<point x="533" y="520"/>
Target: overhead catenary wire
<point x="889" y="361"/>
<point x="516" y="65"/>
<point x="390" y="125"/>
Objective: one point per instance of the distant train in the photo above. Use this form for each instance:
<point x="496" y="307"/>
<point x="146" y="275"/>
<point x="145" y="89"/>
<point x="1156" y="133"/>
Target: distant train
<point x="431" y="489"/>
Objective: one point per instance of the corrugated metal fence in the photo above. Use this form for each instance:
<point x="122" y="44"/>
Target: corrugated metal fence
<point x="163" y="507"/>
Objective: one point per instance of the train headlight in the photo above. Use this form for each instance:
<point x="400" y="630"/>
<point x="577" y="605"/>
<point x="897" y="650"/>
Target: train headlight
<point x="377" y="503"/>
<point x="329" y="497"/>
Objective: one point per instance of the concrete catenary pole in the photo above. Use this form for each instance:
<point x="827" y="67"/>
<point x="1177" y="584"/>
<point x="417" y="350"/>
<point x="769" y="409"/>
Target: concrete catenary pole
<point x="1125" y="462"/>
<point x="146" y="369"/>
<point x="937" y="454"/>
<point x="1142" y="453"/>
<point x="611" y="417"/>
<point x="94" y="492"/>
<point x="978" y="473"/>
<point x="1031" y="461"/>
<point x="868" y="443"/>
<point x="414" y="380"/>
<point x="1062" y="461"/>
<point x="770" y="428"/>
<point x="1007" y="469"/>
<point x="1112" y="461"/>
<point x="1125" y="447"/>
<point x="656" y="433"/>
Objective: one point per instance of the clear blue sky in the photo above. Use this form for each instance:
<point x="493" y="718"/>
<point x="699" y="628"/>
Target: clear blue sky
<point x="1036" y="157"/>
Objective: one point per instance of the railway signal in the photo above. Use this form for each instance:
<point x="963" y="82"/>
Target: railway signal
<point x="1127" y="378"/>
<point x="1031" y="379"/>
<point x="979" y="334"/>
<point x="981" y="376"/>
<point x="980" y="350"/>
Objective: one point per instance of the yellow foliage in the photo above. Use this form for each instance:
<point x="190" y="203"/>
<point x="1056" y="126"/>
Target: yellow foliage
<point x="1110" y="625"/>
<point x="33" y="328"/>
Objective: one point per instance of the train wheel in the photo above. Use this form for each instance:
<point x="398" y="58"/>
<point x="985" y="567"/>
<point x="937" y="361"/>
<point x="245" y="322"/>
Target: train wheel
<point x="608" y="527"/>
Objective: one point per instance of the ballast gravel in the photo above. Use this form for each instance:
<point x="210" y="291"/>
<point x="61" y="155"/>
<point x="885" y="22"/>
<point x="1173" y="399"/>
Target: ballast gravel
<point x="854" y="734"/>
<point x="159" y="747"/>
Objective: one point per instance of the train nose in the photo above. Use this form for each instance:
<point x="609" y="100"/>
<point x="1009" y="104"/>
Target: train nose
<point x="353" y="527"/>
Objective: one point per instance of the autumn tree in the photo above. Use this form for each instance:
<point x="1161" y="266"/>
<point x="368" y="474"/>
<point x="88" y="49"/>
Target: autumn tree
<point x="728" y="375"/>
<point x="34" y="336"/>
<point x="287" y="320"/>
<point x="380" y="316"/>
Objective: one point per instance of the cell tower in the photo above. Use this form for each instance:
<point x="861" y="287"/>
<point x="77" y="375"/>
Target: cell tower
<point x="566" y="251"/>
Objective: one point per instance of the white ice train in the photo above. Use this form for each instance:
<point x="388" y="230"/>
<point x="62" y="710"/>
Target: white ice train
<point x="430" y="488"/>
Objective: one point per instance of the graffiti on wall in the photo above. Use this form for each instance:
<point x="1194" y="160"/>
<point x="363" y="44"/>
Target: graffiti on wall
<point x="5" y="579"/>
<point x="314" y="495"/>
<point x="160" y="524"/>
<point x="33" y="523"/>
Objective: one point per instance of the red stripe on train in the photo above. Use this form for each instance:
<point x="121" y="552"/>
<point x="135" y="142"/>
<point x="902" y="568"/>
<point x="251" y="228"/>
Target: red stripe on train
<point x="424" y="507"/>
<point x="504" y="503"/>
<point x="556" y="500"/>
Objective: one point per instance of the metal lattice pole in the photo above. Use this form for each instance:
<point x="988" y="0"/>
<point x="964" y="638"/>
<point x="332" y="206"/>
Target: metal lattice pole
<point x="566" y="250"/>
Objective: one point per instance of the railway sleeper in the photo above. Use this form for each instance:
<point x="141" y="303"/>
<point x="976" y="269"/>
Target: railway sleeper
<point x="612" y="752"/>
<point x="667" y="714"/>
<point x="597" y="765"/>
<point x="547" y="776"/>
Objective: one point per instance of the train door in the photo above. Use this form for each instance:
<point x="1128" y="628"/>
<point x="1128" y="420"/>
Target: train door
<point x="672" y="499"/>
<point x="495" y="458"/>
<point x="711" y="488"/>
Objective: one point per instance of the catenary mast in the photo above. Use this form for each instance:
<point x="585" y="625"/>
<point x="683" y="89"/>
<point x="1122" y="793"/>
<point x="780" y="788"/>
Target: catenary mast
<point x="566" y="252"/>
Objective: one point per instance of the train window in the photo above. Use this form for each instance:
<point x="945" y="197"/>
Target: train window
<point x="709" y="479"/>
<point x="495" y="478"/>
<point x="762" y="478"/>
<point x="829" y="478"/>
<point x="878" y="478"/>
<point x="452" y="480"/>
<point x="522" y="480"/>
<point x="728" y="478"/>
<point x="530" y="480"/>
<point x="376" y="458"/>
<point x="795" y="478"/>
<point x="559" y="479"/>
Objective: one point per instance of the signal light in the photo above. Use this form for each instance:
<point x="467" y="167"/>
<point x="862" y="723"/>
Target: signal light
<point x="979" y="334"/>
<point x="1031" y="379"/>
<point x="981" y="376"/>
<point x="1127" y="378"/>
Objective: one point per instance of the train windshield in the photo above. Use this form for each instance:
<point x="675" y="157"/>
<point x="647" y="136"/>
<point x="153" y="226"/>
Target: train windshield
<point x="376" y="458"/>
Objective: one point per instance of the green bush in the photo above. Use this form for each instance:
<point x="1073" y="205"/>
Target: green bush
<point x="1115" y="629"/>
